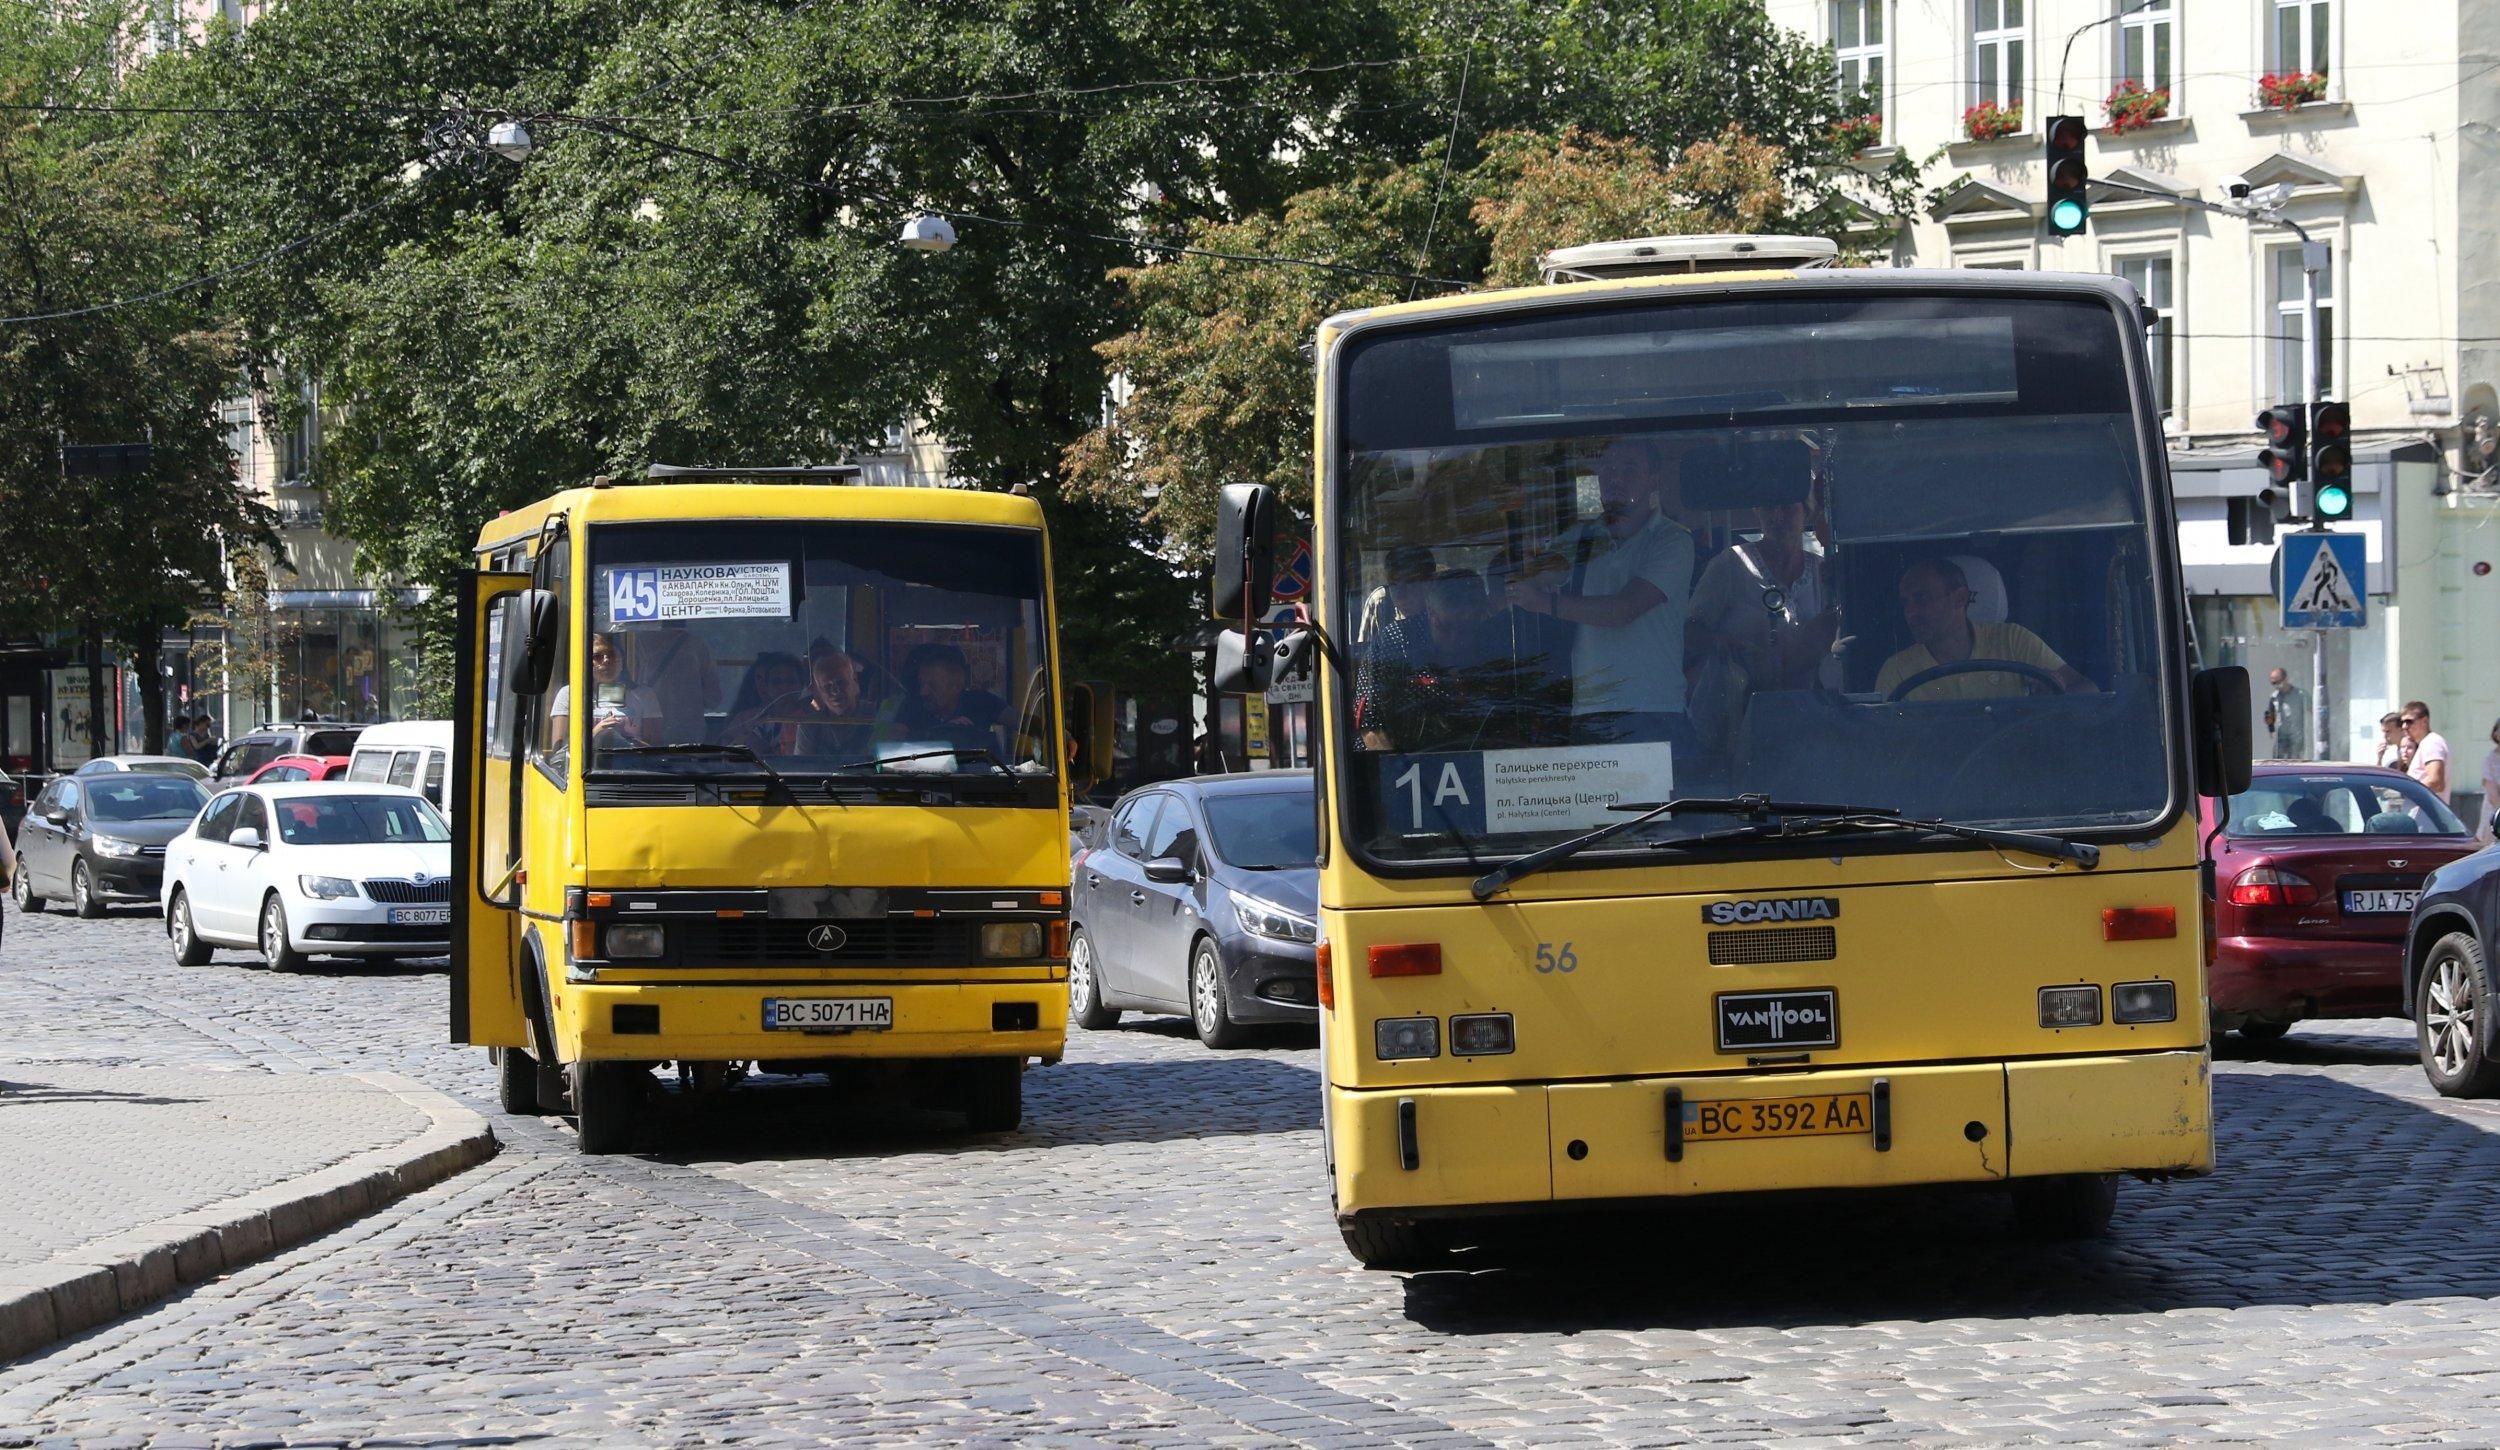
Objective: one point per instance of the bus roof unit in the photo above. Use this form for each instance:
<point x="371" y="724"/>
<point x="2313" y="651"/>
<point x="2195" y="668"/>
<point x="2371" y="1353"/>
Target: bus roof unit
<point x="1681" y="256"/>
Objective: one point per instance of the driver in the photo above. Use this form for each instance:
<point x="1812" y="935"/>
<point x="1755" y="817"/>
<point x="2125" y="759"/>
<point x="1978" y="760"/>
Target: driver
<point x="1935" y="602"/>
<point x="825" y="718"/>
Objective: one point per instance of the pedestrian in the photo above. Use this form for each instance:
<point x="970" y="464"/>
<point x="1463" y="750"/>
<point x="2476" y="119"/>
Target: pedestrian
<point x="2489" y="830"/>
<point x="2391" y="740"/>
<point x="203" y="742"/>
<point x="2287" y="715"/>
<point x="2427" y="762"/>
<point x="8" y="852"/>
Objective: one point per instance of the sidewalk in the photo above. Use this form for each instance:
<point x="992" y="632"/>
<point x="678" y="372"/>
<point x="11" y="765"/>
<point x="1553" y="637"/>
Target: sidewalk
<point x="119" y="1184"/>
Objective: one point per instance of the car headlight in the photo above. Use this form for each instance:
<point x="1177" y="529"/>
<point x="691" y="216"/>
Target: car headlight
<point x="116" y="846"/>
<point x="1267" y="919"/>
<point x="637" y="940"/>
<point x="325" y="888"/>
<point x="1011" y="939"/>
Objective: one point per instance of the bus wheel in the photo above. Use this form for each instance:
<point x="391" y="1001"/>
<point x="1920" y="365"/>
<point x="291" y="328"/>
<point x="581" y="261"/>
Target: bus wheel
<point x="2075" y="1206"/>
<point x="516" y="1081"/>
<point x="605" y="1095"/>
<point x="992" y="1093"/>
<point x="1380" y="1243"/>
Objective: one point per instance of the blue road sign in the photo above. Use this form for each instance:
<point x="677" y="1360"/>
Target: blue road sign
<point x="2326" y="581"/>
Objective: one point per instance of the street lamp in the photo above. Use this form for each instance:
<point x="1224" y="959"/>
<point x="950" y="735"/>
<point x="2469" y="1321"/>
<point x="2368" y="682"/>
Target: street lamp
<point x="928" y="234"/>
<point x="510" y="140"/>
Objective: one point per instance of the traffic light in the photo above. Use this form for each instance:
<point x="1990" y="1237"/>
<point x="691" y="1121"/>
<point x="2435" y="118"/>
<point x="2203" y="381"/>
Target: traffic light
<point x="2069" y="205"/>
<point x="2330" y="463"/>
<point x="2285" y="457"/>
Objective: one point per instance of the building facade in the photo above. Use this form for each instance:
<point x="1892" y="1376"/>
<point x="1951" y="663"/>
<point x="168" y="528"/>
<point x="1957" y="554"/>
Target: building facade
<point x="2379" y="118"/>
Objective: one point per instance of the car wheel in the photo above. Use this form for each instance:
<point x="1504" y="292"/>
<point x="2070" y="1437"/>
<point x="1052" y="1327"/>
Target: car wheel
<point x="1208" y="1011"/>
<point x="516" y="1081"/>
<point x="2073" y="1206"/>
<point x="991" y="1090"/>
<point x="275" y="947"/>
<point x="189" y="950"/>
<point x="1379" y="1243"/>
<point x="82" y="897"/>
<point x="22" y="889"/>
<point x="607" y="1096"/>
<point x="1085" y="1004"/>
<point x="2262" y="1033"/>
<point x="2448" y="1012"/>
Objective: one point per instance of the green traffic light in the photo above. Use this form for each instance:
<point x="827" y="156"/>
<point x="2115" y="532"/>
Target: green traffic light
<point x="2334" y="501"/>
<point x="2067" y="215"/>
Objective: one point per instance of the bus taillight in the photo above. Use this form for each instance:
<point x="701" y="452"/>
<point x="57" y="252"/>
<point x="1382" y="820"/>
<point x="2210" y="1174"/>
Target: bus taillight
<point x="1414" y="959"/>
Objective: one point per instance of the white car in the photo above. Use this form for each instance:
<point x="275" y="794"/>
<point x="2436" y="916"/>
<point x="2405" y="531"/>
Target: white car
<point x="305" y="869"/>
<point x="145" y="764"/>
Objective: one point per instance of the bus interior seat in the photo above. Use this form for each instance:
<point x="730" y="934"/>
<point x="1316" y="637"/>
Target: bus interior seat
<point x="1988" y="602"/>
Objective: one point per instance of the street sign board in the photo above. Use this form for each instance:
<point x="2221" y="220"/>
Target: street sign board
<point x="1293" y="570"/>
<point x="1298" y="691"/>
<point x="104" y="460"/>
<point x="2326" y="581"/>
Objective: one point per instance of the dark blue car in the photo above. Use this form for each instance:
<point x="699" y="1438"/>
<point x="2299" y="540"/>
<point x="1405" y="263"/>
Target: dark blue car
<point x="1202" y="898"/>
<point x="2448" y="982"/>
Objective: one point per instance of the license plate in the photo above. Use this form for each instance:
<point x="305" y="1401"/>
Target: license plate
<point x="828" y="1014"/>
<point x="2358" y="903"/>
<point x="420" y="916"/>
<point x="1831" y="1113"/>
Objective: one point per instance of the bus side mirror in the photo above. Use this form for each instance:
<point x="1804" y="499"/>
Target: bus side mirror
<point x="1245" y="550"/>
<point x="1243" y="663"/>
<point x="2224" y="743"/>
<point x="536" y="663"/>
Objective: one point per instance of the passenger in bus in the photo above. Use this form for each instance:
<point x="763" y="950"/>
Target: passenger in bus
<point x="1628" y="602"/>
<point x="1392" y="691"/>
<point x="1935" y="603"/>
<point x="824" y="719"/>
<point x="774" y="674"/>
<point x="1762" y="618"/>
<point x="621" y="712"/>
<point x="942" y="706"/>
<point x="675" y="665"/>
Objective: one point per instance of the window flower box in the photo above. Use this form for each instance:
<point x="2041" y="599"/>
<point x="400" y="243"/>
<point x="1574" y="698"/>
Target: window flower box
<point x="1855" y="134"/>
<point x="2285" y="90"/>
<point x="1989" y="121"/>
<point x="2130" y="107"/>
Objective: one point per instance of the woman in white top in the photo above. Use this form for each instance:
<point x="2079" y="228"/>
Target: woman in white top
<point x="2491" y="789"/>
<point x="621" y="713"/>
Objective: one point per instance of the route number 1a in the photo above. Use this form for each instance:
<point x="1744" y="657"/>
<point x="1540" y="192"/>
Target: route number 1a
<point x="1449" y="786"/>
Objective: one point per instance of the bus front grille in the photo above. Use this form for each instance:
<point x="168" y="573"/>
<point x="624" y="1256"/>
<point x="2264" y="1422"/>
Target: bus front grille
<point x="1773" y="944"/>
<point x="797" y="942"/>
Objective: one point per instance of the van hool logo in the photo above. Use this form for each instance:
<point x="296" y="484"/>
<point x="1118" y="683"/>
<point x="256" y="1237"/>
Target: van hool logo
<point x="1782" y="908"/>
<point x="1778" y="1019"/>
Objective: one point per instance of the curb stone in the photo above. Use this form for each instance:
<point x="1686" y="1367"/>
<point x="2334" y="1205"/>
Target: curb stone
<point x="41" y="1304"/>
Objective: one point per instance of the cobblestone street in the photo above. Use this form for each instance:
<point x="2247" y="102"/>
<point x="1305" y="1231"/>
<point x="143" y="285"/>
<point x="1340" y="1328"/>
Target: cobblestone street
<point x="1150" y="1260"/>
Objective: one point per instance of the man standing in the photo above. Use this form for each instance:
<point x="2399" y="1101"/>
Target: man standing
<point x="2287" y="715"/>
<point x="2430" y="750"/>
<point x="1627" y="655"/>
<point x="1935" y="604"/>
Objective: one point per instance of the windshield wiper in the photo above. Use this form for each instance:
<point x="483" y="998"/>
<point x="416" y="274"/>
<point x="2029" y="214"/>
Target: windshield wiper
<point x="1742" y="805"/>
<point x="2082" y="853"/>
<point x="969" y="750"/>
<point x="700" y="747"/>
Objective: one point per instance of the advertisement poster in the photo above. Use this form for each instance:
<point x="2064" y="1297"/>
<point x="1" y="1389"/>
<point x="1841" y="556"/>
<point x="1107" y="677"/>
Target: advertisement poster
<point x="69" y="717"/>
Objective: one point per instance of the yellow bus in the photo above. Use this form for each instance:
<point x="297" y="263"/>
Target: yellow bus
<point x="759" y="768"/>
<point x="1759" y="741"/>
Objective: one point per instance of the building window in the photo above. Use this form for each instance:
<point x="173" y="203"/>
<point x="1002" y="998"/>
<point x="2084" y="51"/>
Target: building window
<point x="2302" y="30"/>
<point x="2144" y="32"/>
<point x="299" y="447"/>
<point x="1996" y="52"/>
<point x="2290" y="329"/>
<point x="2153" y="281"/>
<point x="1858" y="49"/>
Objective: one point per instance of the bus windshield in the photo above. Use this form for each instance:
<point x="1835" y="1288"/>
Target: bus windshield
<point x="819" y="647"/>
<point x="1883" y="550"/>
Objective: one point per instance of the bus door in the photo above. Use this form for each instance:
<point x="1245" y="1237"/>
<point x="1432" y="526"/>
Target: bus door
<point x="485" y="916"/>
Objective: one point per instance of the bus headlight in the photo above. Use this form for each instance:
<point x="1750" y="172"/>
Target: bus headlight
<point x="1394" y="1038"/>
<point x="637" y="940"/>
<point x="2070" y="1006"/>
<point x="2144" y="1002"/>
<point x="1011" y="939"/>
<point x="1267" y="919"/>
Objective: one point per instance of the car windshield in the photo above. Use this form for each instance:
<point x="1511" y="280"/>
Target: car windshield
<point x="823" y="647"/>
<point x="1883" y="550"/>
<point x="332" y="819"/>
<point x="2332" y="803"/>
<point x="132" y="796"/>
<point x="1263" y="830"/>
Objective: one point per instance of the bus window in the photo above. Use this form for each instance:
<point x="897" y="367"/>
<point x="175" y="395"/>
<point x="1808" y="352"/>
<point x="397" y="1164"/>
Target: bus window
<point x="549" y="742"/>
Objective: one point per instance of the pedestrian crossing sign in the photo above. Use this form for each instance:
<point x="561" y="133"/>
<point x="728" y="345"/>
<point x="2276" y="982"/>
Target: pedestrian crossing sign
<point x="2325" y="580"/>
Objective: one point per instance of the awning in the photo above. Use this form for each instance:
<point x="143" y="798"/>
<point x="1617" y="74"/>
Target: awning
<point x="343" y="598"/>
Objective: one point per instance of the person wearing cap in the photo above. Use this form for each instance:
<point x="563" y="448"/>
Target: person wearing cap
<point x="1628" y="605"/>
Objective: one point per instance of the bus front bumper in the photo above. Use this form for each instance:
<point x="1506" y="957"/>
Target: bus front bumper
<point x="700" y="1022"/>
<point x="1452" y="1148"/>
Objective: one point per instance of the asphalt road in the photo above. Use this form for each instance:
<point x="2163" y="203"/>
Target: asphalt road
<point x="1150" y="1260"/>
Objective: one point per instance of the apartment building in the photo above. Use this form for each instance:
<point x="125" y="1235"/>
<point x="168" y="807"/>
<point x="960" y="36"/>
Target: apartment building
<point x="2379" y="116"/>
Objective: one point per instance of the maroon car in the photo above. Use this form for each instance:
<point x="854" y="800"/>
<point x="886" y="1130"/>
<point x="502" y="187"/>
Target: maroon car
<point x="2316" y="872"/>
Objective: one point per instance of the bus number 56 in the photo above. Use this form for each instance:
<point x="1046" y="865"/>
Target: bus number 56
<point x="1550" y="960"/>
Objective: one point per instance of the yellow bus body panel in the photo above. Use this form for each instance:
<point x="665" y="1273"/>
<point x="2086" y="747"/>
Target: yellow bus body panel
<point x="1481" y="1145"/>
<point x="724" y="1024"/>
<point x="2105" y="1114"/>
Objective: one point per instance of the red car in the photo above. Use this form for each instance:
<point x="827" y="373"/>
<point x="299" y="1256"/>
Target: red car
<point x="2316" y="874"/>
<point x="300" y="767"/>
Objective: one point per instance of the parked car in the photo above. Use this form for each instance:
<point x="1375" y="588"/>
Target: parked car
<point x="304" y="869"/>
<point x="2448" y="991"/>
<point x="2316" y="876"/>
<point x="1204" y="901"/>
<point x="413" y="753"/>
<point x="98" y="839"/>
<point x="300" y="767"/>
<point x="245" y="754"/>
<point x="159" y="764"/>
